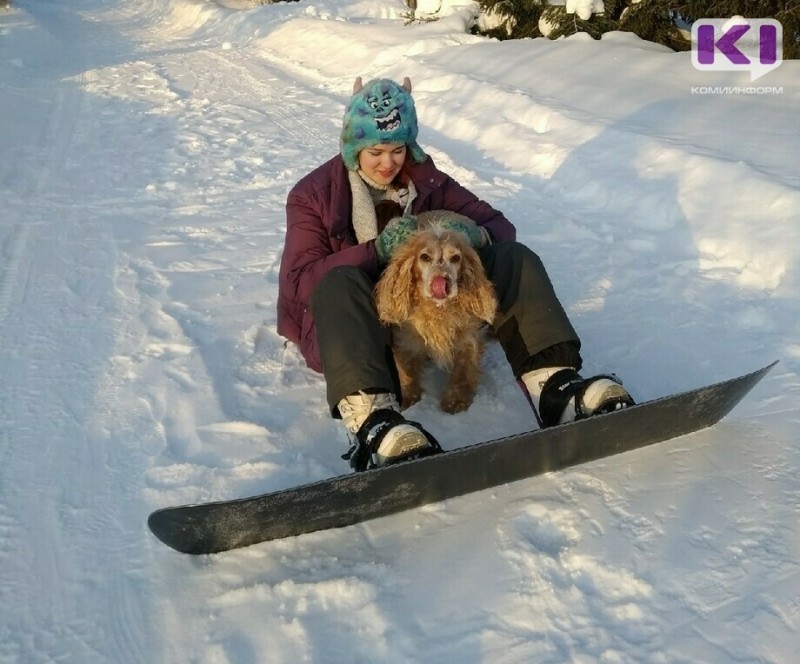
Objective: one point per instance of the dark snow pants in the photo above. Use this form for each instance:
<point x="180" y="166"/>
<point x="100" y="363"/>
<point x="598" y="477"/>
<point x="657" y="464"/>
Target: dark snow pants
<point x="356" y="350"/>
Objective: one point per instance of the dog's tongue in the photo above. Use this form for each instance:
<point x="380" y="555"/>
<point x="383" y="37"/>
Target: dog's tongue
<point x="439" y="287"/>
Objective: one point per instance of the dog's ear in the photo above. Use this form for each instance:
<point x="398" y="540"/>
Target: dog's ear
<point x="394" y="292"/>
<point x="479" y="296"/>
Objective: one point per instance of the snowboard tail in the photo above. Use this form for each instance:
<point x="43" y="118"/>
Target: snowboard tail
<point x="357" y="497"/>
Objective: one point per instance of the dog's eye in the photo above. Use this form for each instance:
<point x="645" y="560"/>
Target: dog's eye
<point x="425" y="258"/>
<point x="455" y="258"/>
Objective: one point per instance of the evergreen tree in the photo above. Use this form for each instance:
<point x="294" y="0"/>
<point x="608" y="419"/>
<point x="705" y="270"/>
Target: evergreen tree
<point x="665" y="22"/>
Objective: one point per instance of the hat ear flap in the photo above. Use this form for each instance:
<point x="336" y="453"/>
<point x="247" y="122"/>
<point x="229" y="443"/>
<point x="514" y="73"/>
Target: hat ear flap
<point x="357" y="86"/>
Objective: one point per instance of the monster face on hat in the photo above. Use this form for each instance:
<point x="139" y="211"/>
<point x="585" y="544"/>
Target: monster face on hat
<point x="379" y="112"/>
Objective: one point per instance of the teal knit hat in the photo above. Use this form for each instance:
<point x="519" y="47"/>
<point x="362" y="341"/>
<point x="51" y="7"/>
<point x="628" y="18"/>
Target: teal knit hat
<point x="379" y="112"/>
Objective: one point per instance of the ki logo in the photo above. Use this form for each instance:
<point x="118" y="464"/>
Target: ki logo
<point x="737" y="44"/>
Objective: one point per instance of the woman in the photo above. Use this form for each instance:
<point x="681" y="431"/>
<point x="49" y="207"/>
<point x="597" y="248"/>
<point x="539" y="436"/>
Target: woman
<point x="345" y="220"/>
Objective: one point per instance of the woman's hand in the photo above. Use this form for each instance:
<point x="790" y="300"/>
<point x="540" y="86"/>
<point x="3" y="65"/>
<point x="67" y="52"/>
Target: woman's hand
<point x="397" y="231"/>
<point x="477" y="236"/>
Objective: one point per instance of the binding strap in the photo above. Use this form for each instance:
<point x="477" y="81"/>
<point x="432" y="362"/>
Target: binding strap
<point x="371" y="435"/>
<point x="567" y="384"/>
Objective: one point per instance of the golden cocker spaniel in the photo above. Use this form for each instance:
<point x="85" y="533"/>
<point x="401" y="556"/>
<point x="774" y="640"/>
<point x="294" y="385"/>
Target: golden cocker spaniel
<point x="435" y="295"/>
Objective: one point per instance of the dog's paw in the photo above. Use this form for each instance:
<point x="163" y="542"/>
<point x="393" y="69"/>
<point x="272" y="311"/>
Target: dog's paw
<point x="410" y="398"/>
<point x="455" y="403"/>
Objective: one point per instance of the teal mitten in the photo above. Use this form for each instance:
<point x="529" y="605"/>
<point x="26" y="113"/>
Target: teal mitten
<point x="397" y="231"/>
<point x="477" y="237"/>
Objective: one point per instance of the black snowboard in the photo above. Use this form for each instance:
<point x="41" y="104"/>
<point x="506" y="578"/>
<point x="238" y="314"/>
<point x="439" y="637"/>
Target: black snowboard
<point x="356" y="497"/>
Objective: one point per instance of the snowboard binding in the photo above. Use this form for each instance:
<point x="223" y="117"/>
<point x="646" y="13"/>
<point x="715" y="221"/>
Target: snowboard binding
<point x="588" y="396"/>
<point x="386" y="438"/>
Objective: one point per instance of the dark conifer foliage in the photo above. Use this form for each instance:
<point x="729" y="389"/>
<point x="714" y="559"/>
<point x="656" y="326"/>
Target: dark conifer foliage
<point x="666" y="22"/>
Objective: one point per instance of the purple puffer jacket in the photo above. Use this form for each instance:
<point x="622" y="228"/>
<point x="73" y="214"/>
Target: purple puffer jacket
<point x="319" y="237"/>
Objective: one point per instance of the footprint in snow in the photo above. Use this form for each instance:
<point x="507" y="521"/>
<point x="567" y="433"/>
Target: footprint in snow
<point x="598" y="608"/>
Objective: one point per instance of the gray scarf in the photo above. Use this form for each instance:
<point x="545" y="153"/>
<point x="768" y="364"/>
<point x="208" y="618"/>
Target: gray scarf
<point x="365" y="196"/>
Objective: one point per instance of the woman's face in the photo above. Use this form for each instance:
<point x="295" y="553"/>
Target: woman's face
<point x="382" y="162"/>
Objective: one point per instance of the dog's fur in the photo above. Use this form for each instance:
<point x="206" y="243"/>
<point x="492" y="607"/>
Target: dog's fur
<point x="447" y="330"/>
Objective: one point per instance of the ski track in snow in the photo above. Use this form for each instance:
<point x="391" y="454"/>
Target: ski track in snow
<point x="144" y="189"/>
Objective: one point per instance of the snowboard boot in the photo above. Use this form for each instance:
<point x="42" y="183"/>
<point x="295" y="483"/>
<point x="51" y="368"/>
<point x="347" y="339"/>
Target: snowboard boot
<point x="560" y="395"/>
<point x="380" y="435"/>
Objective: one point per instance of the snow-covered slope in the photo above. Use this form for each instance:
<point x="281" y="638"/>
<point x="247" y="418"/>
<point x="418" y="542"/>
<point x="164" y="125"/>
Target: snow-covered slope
<point x="147" y="151"/>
